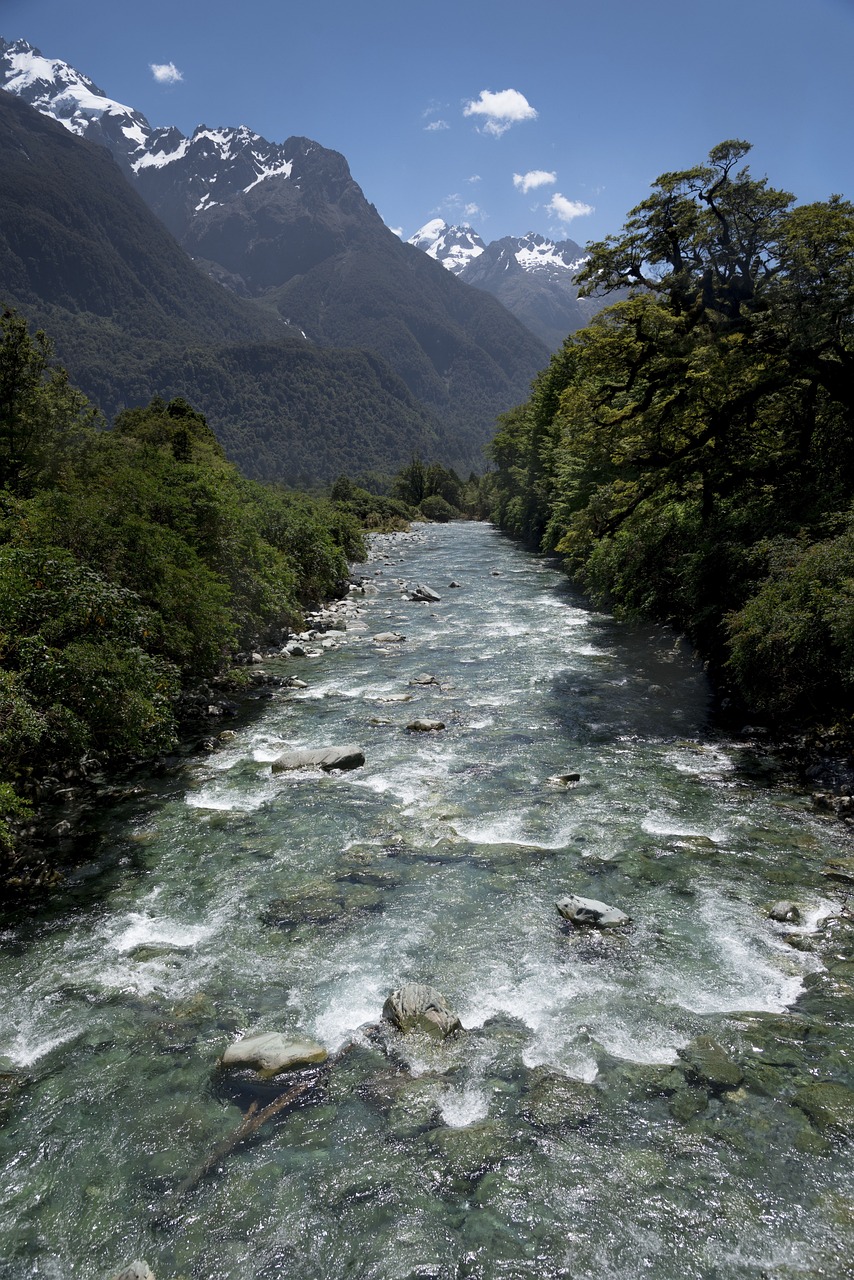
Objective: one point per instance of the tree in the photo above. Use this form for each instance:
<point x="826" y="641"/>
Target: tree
<point x="38" y="407"/>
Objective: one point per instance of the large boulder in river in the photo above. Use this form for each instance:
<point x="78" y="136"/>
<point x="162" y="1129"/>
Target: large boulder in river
<point x="416" y="1006"/>
<point x="269" y="1053"/>
<point x="326" y="758"/>
<point x="389" y="637"/>
<point x="590" y="911"/>
<point x="425" y="594"/>
<point x="425" y="726"/>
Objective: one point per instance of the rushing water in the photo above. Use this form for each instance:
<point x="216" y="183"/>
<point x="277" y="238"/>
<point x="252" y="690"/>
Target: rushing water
<point x="560" y="1134"/>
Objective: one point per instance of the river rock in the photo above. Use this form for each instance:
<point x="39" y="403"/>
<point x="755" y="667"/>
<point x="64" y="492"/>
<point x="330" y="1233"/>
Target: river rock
<point x="388" y="637"/>
<point x="349" y="757"/>
<point x="829" y="1106"/>
<point x="565" y="778"/>
<point x="785" y="912"/>
<point x="708" y="1065"/>
<point x="590" y="911"/>
<point x="415" y="1005"/>
<point x="270" y="1053"/>
<point x="425" y="726"/>
<point x="139" y="1270"/>
<point x="557" y="1101"/>
<point x="424" y="678"/>
<point x="425" y="594"/>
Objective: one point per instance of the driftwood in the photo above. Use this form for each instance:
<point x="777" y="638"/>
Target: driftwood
<point x="251" y="1123"/>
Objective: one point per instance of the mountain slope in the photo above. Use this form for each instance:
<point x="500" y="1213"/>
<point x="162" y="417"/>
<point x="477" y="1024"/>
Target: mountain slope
<point x="82" y="256"/>
<point x="532" y="276"/>
<point x="287" y="224"/>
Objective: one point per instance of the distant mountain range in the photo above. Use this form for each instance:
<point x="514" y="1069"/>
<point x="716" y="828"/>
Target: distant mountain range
<point x="291" y="234"/>
<point x="534" y="277"/>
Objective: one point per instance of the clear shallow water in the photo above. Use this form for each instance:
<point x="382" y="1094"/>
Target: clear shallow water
<point x="542" y="1143"/>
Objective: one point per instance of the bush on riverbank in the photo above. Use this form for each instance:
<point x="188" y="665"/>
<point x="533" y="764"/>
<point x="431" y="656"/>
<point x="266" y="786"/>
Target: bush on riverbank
<point x="691" y="452"/>
<point x="132" y="562"/>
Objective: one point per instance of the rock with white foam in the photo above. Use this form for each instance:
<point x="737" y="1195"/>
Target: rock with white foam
<point x="415" y="1006"/>
<point x="589" y="911"/>
<point x="269" y="1053"/>
<point x="327" y="758"/>
<point x="425" y="726"/>
<point x="139" y="1270"/>
<point x="389" y="637"/>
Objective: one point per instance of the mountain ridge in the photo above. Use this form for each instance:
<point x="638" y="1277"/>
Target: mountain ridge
<point x="287" y="225"/>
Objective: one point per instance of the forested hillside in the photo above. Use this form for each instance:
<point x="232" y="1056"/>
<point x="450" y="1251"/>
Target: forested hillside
<point x="132" y="562"/>
<point x="691" y="452"/>
<point x="83" y="257"/>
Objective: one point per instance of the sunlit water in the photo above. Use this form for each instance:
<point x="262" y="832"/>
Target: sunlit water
<point x="236" y="899"/>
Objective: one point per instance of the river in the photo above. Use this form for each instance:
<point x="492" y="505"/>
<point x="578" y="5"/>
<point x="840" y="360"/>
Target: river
<point x="576" y="1128"/>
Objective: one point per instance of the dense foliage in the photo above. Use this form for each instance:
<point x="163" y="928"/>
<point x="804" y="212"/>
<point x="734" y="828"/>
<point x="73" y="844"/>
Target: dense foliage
<point x="131" y="562"/>
<point x="690" y="451"/>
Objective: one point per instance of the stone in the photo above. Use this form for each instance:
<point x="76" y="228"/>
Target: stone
<point x="139" y="1270"/>
<point x="294" y="683"/>
<point x="270" y="1053"/>
<point x="708" y="1065"/>
<point x="785" y="912"/>
<point x="416" y="1006"/>
<point x="557" y="1101"/>
<point x="425" y="726"/>
<point x="326" y="758"/>
<point x="565" y="777"/>
<point x="424" y="594"/>
<point x="388" y="637"/>
<point x="591" y="911"/>
<point x="424" y="678"/>
<point x="829" y="1106"/>
<point x="840" y="869"/>
<point x="452" y="585"/>
<point x="295" y="650"/>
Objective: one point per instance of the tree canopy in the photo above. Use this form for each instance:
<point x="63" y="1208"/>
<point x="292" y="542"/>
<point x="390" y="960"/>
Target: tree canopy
<point x="690" y="451"/>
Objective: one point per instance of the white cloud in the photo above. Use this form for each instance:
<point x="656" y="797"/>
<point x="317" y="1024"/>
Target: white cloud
<point x="565" y="210"/>
<point x="436" y="124"/>
<point x="526" y="182"/>
<point x="475" y="177"/>
<point x="398" y="231"/>
<point x="472" y="210"/>
<point x="166" y="72"/>
<point x="502" y="109"/>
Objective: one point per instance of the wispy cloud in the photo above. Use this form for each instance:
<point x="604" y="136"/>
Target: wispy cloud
<point x="565" y="210"/>
<point x="434" y="125"/>
<point x="502" y="109"/>
<point x="526" y="182"/>
<point x="475" y="177"/>
<point x="456" y="206"/>
<point x="166" y="72"/>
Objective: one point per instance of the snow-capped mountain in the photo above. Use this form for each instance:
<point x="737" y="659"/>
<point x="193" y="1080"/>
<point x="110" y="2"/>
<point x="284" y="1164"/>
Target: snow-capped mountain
<point x="533" y="276"/>
<point x="210" y="167"/>
<point x="454" y="247"/>
<point x="287" y="223"/>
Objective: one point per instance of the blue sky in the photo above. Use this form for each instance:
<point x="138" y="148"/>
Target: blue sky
<point x="438" y="106"/>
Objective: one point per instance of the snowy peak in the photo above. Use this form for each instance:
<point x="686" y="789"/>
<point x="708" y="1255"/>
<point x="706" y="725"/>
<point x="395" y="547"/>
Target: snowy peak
<point x="56" y="89"/>
<point x="454" y="247"/>
<point x="218" y="162"/>
<point x="537" y="254"/>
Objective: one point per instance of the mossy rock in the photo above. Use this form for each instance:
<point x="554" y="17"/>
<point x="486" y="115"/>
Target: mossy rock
<point x="708" y="1065"/>
<point x="687" y="1104"/>
<point x="471" y="1151"/>
<point x="556" y="1101"/>
<point x="829" y="1106"/>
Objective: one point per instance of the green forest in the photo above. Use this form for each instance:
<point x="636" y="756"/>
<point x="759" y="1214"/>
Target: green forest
<point x="691" y="452"/>
<point x="133" y="561"/>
